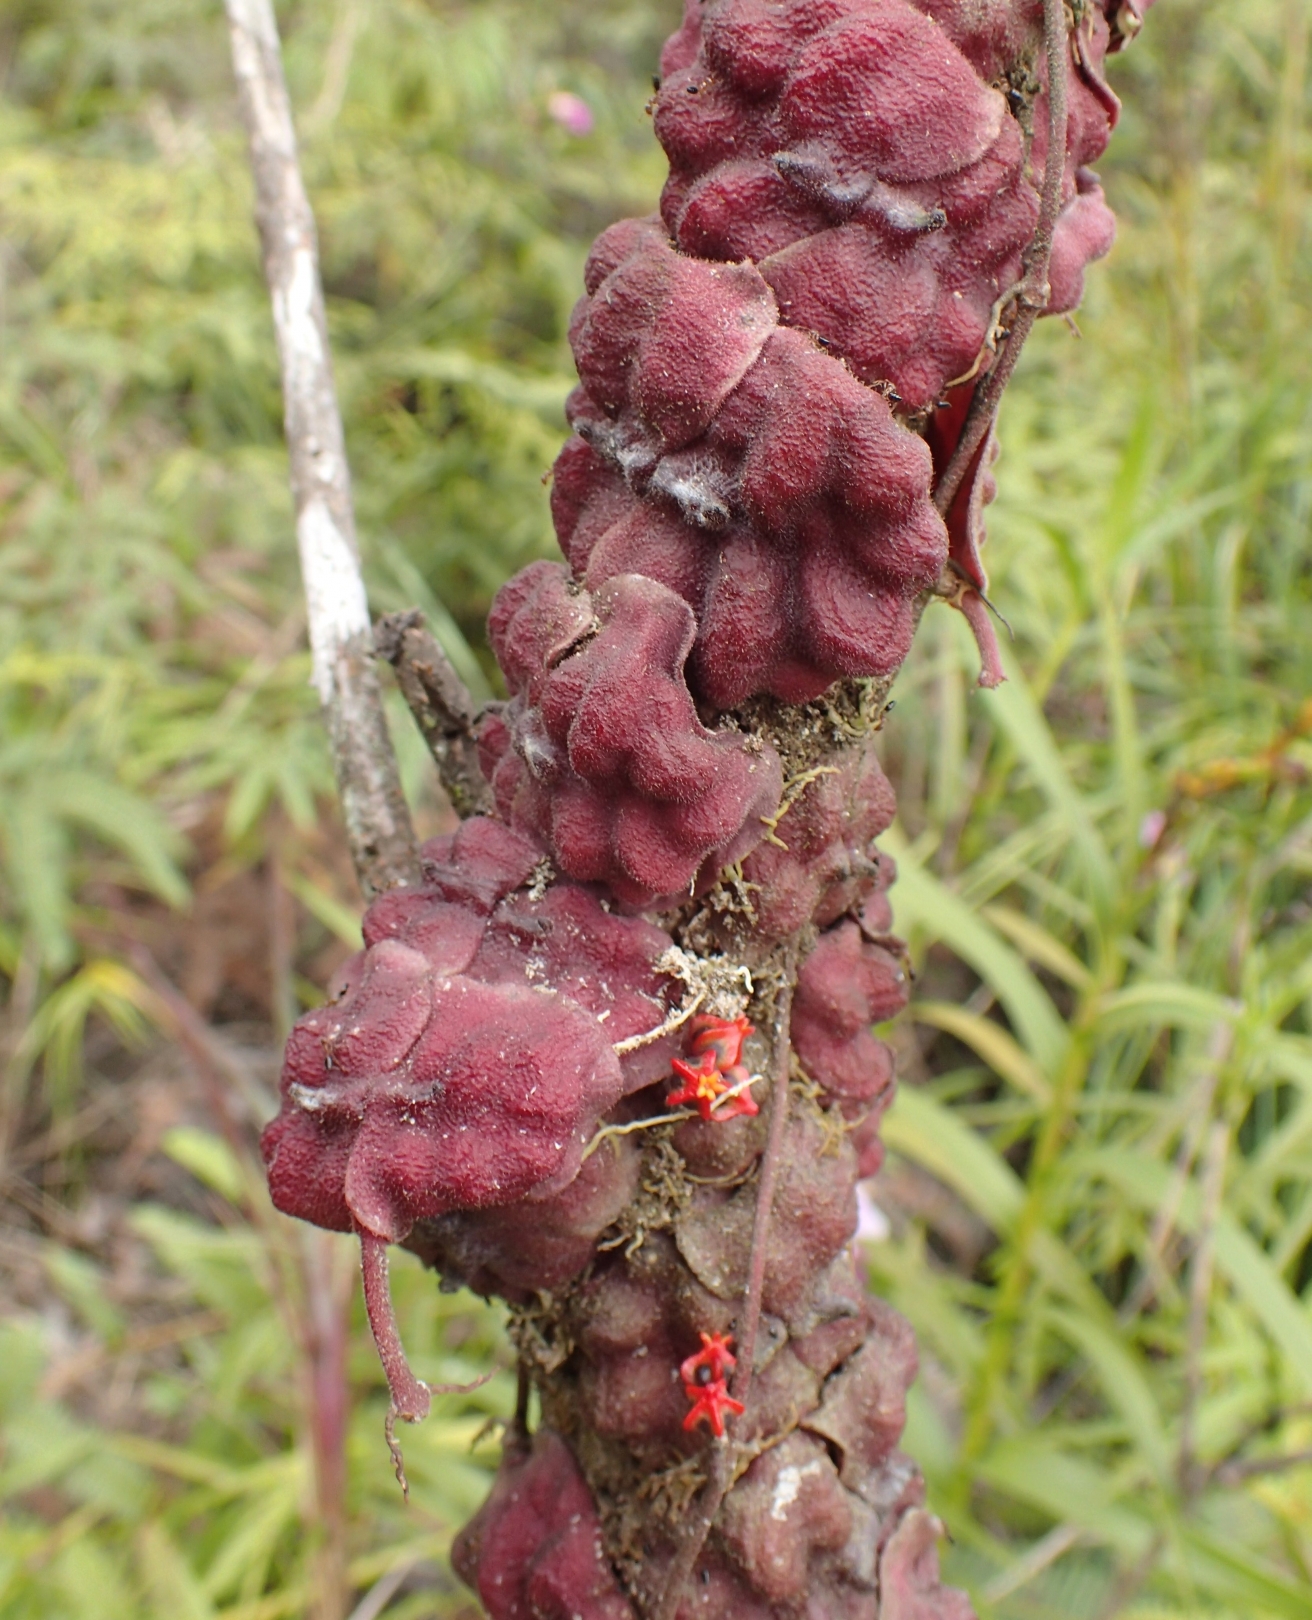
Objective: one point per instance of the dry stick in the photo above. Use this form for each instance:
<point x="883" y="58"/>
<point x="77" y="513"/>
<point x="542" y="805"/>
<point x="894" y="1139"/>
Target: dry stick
<point x="1235" y="1473"/>
<point x="770" y="1160"/>
<point x="378" y="828"/>
<point x="1033" y="292"/>
<point x="698" y="1525"/>
<point x="441" y="704"/>
<point x="1200" y="1295"/>
<point x="676" y="1020"/>
<point x="327" y="1341"/>
<point x="1164" y="1221"/>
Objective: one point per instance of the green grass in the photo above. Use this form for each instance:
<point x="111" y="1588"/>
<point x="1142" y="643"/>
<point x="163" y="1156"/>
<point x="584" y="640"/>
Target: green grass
<point x="1105" y="866"/>
<point x="203" y="1504"/>
<point x="1114" y="849"/>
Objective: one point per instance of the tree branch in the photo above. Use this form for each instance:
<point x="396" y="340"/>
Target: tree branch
<point x="442" y="706"/>
<point x="378" y="826"/>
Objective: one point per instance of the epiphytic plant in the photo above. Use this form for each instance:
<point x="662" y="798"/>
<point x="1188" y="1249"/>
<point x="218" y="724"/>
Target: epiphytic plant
<point x="607" y="1052"/>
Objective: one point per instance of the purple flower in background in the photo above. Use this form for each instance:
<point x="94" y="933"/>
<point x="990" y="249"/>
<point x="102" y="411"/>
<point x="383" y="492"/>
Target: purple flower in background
<point x="571" y="112"/>
<point x="872" y="1223"/>
<point x="1151" y="829"/>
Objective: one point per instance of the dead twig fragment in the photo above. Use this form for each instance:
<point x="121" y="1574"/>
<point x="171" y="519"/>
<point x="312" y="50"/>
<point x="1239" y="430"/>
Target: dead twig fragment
<point x="1031" y="293"/>
<point x="441" y="704"/>
<point x="378" y="826"/>
<point x="750" y="1320"/>
<point x="1191" y="1475"/>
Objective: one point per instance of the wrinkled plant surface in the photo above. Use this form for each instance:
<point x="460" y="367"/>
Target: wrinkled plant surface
<point x="612" y="1059"/>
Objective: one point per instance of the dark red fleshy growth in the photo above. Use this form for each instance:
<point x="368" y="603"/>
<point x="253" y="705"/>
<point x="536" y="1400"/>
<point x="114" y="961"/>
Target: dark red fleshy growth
<point x="468" y="1094"/>
<point x="603" y="755"/>
<point x="858" y="154"/>
<point x="533" y="1088"/>
<point x="534" y="1552"/>
<point x="514" y="1250"/>
<point x="909" y="1584"/>
<point x="662" y="340"/>
<point x="796" y="522"/>
<point x="812" y="1516"/>
<point x="469" y="1054"/>
<point x="844" y="986"/>
<point x="852" y="979"/>
<point x="820" y="861"/>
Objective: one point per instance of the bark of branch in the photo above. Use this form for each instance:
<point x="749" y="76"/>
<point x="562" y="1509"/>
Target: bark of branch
<point x="378" y="826"/>
<point x="442" y="707"/>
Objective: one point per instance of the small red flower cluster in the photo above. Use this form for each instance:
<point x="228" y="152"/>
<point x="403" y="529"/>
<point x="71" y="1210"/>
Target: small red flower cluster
<point x="705" y="1382"/>
<point x="711" y="1085"/>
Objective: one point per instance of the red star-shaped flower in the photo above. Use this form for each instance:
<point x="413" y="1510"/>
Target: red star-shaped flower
<point x="701" y="1085"/>
<point x="723" y="1036"/>
<point x="742" y="1102"/>
<point x="714" y="1359"/>
<point x="710" y="1401"/>
<point x="705" y="1087"/>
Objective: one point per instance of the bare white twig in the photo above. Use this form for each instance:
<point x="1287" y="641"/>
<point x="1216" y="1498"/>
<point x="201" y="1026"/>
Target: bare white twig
<point x="676" y="1020"/>
<point x="341" y="637"/>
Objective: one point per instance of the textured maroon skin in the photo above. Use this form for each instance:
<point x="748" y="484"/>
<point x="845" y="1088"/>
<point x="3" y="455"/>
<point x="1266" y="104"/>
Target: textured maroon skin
<point x="822" y="861"/>
<point x="633" y="335"/>
<point x="463" y="1064"/>
<point x="540" y="1523"/>
<point x="545" y="1242"/>
<point x="796" y="522"/>
<point x="846" y="984"/>
<point x="909" y="1587"/>
<point x="853" y="978"/>
<point x="463" y="1094"/>
<point x="604" y="757"/>
<point x="857" y="154"/>
<point x="773" y="373"/>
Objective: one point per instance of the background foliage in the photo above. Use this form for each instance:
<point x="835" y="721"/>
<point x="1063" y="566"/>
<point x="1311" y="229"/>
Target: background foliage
<point x="1098" y="1209"/>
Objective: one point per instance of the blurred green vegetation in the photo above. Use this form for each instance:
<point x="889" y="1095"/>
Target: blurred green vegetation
<point x="1100" y="1183"/>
